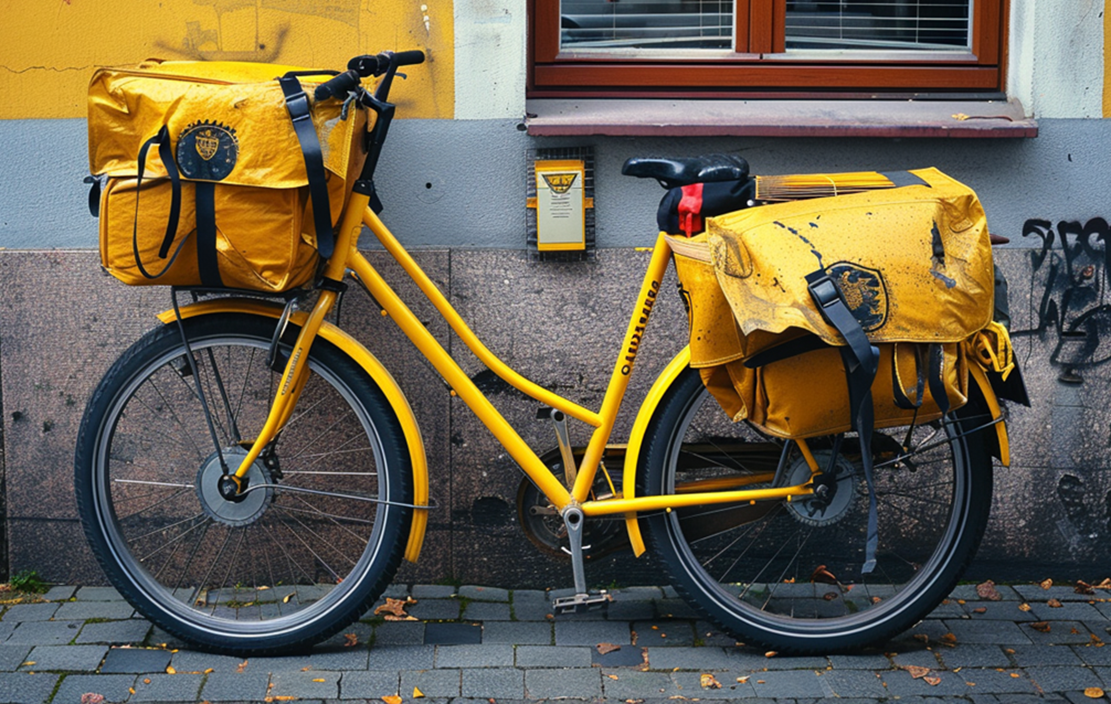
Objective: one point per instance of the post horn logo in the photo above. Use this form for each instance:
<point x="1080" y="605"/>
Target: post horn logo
<point x="865" y="293"/>
<point x="560" y="183"/>
<point x="207" y="151"/>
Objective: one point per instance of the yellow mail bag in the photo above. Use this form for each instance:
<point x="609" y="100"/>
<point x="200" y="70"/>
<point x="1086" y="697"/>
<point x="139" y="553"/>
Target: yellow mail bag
<point x="205" y="179"/>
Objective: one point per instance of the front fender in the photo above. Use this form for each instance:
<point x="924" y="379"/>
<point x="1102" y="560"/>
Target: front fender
<point x="377" y="372"/>
<point x="636" y="439"/>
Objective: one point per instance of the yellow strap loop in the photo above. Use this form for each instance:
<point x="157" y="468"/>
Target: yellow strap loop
<point x="991" y="347"/>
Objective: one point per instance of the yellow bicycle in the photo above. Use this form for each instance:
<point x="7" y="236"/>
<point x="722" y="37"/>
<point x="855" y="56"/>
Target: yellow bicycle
<point x="250" y="476"/>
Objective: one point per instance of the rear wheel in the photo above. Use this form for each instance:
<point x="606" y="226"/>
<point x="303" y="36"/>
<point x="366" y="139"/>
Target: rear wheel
<point x="310" y="545"/>
<point x="786" y="575"/>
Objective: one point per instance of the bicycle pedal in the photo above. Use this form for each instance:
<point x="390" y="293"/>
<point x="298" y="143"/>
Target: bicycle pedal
<point x="580" y="603"/>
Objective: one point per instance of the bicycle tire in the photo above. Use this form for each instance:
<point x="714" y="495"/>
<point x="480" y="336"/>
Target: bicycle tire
<point x="780" y="575"/>
<point x="281" y="569"/>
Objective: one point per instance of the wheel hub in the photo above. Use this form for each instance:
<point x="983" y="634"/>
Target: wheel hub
<point x="220" y="496"/>
<point x="834" y="490"/>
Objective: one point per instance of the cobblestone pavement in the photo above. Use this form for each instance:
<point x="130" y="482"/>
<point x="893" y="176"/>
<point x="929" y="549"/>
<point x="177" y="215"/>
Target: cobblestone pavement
<point x="488" y="644"/>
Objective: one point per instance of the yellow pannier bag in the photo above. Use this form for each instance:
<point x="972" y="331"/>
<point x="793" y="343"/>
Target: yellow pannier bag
<point x="913" y="264"/>
<point x="206" y="178"/>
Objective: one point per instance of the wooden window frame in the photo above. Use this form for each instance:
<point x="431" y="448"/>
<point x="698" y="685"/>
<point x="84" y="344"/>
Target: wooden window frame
<point x="759" y="67"/>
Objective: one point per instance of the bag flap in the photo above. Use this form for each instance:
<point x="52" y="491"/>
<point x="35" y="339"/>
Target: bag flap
<point x="231" y="113"/>
<point x="913" y="263"/>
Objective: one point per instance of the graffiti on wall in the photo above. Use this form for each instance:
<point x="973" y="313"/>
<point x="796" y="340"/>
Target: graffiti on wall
<point x="1071" y="306"/>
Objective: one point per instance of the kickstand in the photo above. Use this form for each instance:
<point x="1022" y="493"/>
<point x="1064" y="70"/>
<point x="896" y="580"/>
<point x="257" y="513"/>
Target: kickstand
<point x="582" y="600"/>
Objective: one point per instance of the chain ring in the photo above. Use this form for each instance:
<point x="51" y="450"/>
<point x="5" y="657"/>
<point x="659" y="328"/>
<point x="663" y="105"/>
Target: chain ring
<point x="823" y="511"/>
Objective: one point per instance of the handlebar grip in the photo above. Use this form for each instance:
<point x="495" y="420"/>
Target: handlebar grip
<point x="409" y="58"/>
<point x="337" y="86"/>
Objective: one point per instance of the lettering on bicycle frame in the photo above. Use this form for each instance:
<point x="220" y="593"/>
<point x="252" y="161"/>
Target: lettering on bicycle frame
<point x="638" y="332"/>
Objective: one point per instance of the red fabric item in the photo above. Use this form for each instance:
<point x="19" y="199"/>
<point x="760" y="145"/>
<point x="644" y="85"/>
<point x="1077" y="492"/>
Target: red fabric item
<point x="690" y="210"/>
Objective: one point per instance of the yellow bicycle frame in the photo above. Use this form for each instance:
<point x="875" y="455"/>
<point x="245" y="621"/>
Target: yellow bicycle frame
<point x="313" y="324"/>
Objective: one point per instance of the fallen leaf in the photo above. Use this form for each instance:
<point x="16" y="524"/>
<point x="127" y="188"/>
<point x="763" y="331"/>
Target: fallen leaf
<point x="131" y="690"/>
<point x="932" y="681"/>
<point x="91" y="698"/>
<point x="319" y="679"/>
<point x="829" y="596"/>
<point x="876" y="600"/>
<point x="612" y="677"/>
<point x="789" y="580"/>
<point x="960" y="116"/>
<point x="417" y="694"/>
<point x="146" y="680"/>
<point x="1046" y="584"/>
<point x="981" y="610"/>
<point x="391" y="617"/>
<point x="241" y="666"/>
<point x="922" y="637"/>
<point x="28" y="663"/>
<point x="170" y="670"/>
<point x="1093" y="692"/>
<point x="395" y="607"/>
<point x="821" y="574"/>
<point x="350" y="639"/>
<point x="306" y="668"/>
<point x="708" y="681"/>
<point x="1040" y="626"/>
<point x="988" y="591"/>
<point x="1082" y="587"/>
<point x="1074" y="631"/>
<point x="917" y="671"/>
<point x="1053" y="604"/>
<point x="209" y="671"/>
<point x="391" y="699"/>
<point x="1095" y="638"/>
<point x="949" y="639"/>
<point x="760" y="682"/>
<point x="604" y="648"/>
<point x="287" y="597"/>
<point x="1105" y="584"/>
<point x="744" y="679"/>
<point x="771" y="654"/>
<point x="1015" y="675"/>
<point x="1024" y="607"/>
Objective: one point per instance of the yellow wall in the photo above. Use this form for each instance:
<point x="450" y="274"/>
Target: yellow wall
<point x="51" y="48"/>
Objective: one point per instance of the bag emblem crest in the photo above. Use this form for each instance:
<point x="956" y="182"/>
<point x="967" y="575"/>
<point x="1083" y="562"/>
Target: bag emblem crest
<point x="865" y="293"/>
<point x="207" y="151"/>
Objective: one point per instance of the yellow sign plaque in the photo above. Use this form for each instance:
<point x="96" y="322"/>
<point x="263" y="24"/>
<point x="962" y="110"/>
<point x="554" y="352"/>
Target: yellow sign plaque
<point x="560" y="205"/>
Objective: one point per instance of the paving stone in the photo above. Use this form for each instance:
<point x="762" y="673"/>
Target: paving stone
<point x="645" y="593"/>
<point x="23" y="688"/>
<point x="6" y="629"/>
<point x="565" y="683"/>
<point x="546" y="656"/>
<point x="195" y="661"/>
<point x="12" y="656"/>
<point x="1067" y="611"/>
<point x="73" y="610"/>
<point x="1063" y="679"/>
<point x="902" y="684"/>
<point x="592" y="632"/>
<point x="704" y="659"/>
<point x="98" y="594"/>
<point x="531" y="605"/>
<point x="304" y="685"/>
<point x="919" y="658"/>
<point x="1060" y="633"/>
<point x="369" y="685"/>
<point x="432" y="683"/>
<point x="517" y="632"/>
<point x="1034" y="655"/>
<point x="347" y="659"/>
<point x="991" y="632"/>
<point x="30" y="612"/>
<point x="708" y="634"/>
<point x="975" y="655"/>
<point x="163" y="639"/>
<point x="136" y="660"/>
<point x="460" y="656"/>
<point x="675" y="608"/>
<point x="44" y="633"/>
<point x="1091" y="655"/>
<point x="967" y="592"/>
<point x="795" y="662"/>
<point x="619" y="685"/>
<point x="999" y="611"/>
<point x="406" y="657"/>
<point x="114" y="688"/>
<point x="797" y="683"/>
<point x="167" y="688"/>
<point x="949" y="608"/>
<point x="874" y="661"/>
<point x="853" y="683"/>
<point x="656" y="633"/>
<point x="1033" y="593"/>
<point x="484" y="593"/>
<point x="624" y="656"/>
<point x="235" y="686"/>
<point x="432" y="591"/>
<point x="631" y="611"/>
<point x="493" y="683"/>
<point x="66" y="658"/>
<point x="992" y="681"/>
<point x="486" y="611"/>
<point x="396" y="591"/>
<point x="452" y="634"/>
<point x="436" y="609"/>
<point x="133" y="631"/>
<point x="362" y="632"/>
<point x="59" y="593"/>
<point x="399" y="633"/>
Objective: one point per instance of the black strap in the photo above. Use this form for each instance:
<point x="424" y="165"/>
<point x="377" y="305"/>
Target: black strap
<point x="297" y="102"/>
<point x="904" y="178"/>
<point x="937" y="377"/>
<point x="791" y="348"/>
<point x="162" y="139"/>
<point x="897" y="390"/>
<point x="861" y="361"/>
<point x="208" y="264"/>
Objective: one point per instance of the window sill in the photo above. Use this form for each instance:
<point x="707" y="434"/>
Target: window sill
<point x="779" y="118"/>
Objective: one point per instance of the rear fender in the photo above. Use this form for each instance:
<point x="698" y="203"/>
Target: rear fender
<point x="377" y="372"/>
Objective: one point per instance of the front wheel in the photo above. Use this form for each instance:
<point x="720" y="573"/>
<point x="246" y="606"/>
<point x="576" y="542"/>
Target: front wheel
<point x="786" y="575"/>
<point x="309" y="546"/>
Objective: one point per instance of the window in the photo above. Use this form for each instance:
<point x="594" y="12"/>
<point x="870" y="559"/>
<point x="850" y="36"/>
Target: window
<point x="766" y="48"/>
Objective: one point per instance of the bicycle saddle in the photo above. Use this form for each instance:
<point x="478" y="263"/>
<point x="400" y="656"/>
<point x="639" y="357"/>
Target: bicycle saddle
<point x="672" y="173"/>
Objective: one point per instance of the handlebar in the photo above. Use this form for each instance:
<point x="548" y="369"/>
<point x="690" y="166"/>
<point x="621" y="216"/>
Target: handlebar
<point x="363" y="66"/>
